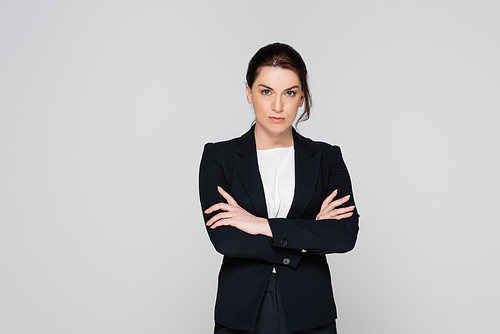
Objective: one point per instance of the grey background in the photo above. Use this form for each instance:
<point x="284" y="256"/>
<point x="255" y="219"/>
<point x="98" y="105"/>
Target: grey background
<point x="104" y="110"/>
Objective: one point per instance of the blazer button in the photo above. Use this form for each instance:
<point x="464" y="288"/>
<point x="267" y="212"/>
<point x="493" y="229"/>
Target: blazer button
<point x="286" y="261"/>
<point x="284" y="242"/>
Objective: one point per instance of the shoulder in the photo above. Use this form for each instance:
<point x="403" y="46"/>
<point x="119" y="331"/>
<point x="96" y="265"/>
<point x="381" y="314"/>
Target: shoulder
<point x="221" y="151"/>
<point x="225" y="143"/>
<point x="326" y="149"/>
<point x="226" y="146"/>
<point x="243" y="144"/>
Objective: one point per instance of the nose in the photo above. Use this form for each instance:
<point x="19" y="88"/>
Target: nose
<point x="277" y="105"/>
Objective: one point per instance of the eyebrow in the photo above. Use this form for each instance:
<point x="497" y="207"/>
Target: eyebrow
<point x="261" y="85"/>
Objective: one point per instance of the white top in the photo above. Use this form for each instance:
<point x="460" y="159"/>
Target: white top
<point x="277" y="171"/>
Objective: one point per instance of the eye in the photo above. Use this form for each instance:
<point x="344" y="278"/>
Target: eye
<point x="266" y="92"/>
<point x="290" y="93"/>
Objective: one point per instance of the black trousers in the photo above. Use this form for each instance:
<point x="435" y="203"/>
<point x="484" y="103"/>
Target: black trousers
<point x="272" y="318"/>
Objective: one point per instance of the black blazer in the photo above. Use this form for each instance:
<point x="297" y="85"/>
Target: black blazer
<point x="304" y="278"/>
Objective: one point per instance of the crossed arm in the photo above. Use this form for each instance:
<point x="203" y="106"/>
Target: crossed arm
<point x="237" y="233"/>
<point x="233" y="215"/>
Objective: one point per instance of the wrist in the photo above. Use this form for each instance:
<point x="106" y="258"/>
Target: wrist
<point x="265" y="228"/>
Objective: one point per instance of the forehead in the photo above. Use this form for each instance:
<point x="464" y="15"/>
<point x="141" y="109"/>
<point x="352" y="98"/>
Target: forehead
<point x="277" y="77"/>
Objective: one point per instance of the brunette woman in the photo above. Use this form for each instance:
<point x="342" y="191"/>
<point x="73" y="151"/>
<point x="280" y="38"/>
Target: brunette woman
<point x="274" y="204"/>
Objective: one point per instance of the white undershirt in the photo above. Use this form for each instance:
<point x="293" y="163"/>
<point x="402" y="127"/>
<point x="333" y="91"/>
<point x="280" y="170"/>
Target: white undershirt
<point x="277" y="170"/>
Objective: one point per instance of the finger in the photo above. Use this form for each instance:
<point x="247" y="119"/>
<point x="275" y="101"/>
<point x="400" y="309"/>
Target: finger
<point x="326" y="211"/>
<point x="218" y="206"/>
<point x="328" y="199"/>
<point x="217" y="217"/>
<point x="335" y="213"/>
<point x="345" y="215"/>
<point x="332" y="206"/>
<point x="221" y="222"/>
<point x="230" y="200"/>
<point x="327" y="205"/>
<point x="338" y="202"/>
<point x="337" y="217"/>
<point x="338" y="212"/>
<point x="343" y="210"/>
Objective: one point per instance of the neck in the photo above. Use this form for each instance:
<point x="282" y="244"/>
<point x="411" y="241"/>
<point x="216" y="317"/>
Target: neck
<point x="266" y="141"/>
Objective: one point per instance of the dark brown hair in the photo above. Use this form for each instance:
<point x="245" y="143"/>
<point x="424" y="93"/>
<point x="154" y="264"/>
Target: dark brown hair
<point x="282" y="56"/>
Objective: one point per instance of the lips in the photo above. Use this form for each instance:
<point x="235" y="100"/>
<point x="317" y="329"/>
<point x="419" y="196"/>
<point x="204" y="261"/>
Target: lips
<point x="277" y="119"/>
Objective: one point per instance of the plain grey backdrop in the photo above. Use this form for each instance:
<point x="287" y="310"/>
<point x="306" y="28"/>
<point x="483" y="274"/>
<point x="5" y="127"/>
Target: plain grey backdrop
<point x="104" y="110"/>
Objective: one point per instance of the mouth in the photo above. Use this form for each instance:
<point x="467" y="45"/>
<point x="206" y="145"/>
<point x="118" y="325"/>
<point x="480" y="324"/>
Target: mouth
<point x="277" y="119"/>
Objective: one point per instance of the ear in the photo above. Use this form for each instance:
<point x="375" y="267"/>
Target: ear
<point x="301" y="99"/>
<point x="248" y="92"/>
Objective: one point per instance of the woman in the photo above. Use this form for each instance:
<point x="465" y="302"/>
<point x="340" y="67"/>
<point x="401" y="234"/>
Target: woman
<point x="274" y="204"/>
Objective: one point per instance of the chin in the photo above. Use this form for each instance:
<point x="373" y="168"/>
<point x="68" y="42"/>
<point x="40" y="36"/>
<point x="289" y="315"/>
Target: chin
<point x="280" y="128"/>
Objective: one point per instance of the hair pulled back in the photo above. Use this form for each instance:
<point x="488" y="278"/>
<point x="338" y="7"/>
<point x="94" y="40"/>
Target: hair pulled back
<point x="282" y="56"/>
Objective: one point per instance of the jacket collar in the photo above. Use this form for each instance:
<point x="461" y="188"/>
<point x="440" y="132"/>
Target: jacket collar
<point x="247" y="143"/>
<point x="307" y="165"/>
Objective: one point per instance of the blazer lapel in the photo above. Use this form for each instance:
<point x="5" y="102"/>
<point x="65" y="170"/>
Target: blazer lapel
<point x="247" y="166"/>
<point x="307" y="165"/>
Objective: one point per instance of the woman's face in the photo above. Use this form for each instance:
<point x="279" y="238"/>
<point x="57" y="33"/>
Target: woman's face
<point x="276" y="96"/>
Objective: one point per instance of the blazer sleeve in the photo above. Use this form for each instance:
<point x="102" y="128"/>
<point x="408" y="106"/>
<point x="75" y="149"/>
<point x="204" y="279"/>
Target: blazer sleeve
<point x="229" y="240"/>
<point x="322" y="236"/>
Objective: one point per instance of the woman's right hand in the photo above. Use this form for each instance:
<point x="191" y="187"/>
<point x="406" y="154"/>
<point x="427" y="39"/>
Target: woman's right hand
<point x="234" y="215"/>
<point x="329" y="208"/>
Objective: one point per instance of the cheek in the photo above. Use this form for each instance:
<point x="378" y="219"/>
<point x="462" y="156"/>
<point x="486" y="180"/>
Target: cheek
<point x="293" y="105"/>
<point x="259" y="105"/>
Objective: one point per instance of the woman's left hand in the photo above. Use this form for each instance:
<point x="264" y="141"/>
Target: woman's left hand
<point x="236" y="216"/>
<point x="330" y="208"/>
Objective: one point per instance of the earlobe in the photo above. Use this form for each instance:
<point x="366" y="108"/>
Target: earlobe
<point x="248" y="93"/>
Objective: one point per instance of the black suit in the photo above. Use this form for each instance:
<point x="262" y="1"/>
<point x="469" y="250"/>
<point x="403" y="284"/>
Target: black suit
<point x="304" y="278"/>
